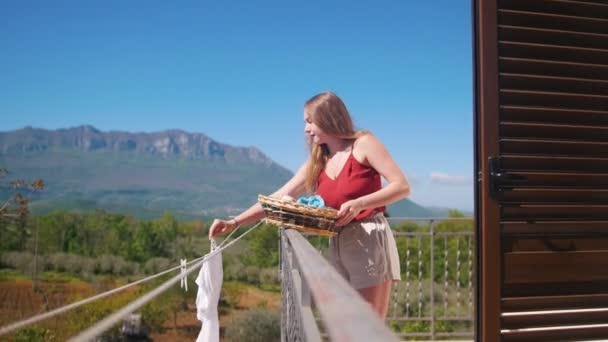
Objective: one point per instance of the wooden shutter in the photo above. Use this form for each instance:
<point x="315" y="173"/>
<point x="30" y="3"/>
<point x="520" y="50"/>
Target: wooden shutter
<point x="542" y="156"/>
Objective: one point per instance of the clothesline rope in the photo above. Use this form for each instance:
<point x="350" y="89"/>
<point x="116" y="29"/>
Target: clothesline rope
<point x="198" y="261"/>
<point x="99" y="328"/>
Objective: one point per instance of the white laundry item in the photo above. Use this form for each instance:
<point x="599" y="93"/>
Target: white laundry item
<point x="209" y="283"/>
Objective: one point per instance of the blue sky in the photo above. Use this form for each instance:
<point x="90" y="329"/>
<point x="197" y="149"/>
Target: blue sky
<point x="240" y="71"/>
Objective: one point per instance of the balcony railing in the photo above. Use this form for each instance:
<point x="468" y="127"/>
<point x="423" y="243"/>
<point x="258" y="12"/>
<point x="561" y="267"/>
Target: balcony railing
<point x="436" y="296"/>
<point x="434" y="300"/>
<point x="308" y="283"/>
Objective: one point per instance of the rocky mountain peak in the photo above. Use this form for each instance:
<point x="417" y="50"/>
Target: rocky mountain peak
<point x="171" y="143"/>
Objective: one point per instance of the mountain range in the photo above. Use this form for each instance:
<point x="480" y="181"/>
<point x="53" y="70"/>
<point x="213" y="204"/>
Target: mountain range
<point x="146" y="174"/>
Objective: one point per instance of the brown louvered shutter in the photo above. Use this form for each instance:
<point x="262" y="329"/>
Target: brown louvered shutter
<point x="542" y="156"/>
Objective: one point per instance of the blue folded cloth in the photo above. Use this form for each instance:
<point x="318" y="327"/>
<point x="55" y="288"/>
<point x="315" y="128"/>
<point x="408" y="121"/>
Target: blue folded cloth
<point x="313" y="201"/>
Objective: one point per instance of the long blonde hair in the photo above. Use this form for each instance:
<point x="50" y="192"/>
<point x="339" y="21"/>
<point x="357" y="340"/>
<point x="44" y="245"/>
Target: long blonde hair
<point x="329" y="113"/>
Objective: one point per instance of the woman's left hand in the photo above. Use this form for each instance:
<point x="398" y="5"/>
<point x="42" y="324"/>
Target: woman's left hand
<point x="348" y="211"/>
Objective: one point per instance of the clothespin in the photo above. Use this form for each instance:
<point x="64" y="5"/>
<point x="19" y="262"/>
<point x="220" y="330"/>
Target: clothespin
<point x="213" y="245"/>
<point x="182" y="269"/>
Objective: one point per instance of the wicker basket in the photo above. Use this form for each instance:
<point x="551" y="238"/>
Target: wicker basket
<point x="305" y="218"/>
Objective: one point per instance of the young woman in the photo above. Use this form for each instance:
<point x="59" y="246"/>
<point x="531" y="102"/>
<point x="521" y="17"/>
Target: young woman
<point x="345" y="168"/>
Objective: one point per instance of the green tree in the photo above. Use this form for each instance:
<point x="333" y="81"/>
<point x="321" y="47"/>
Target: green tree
<point x="139" y="248"/>
<point x="263" y="245"/>
<point x="154" y="238"/>
<point x="455" y="213"/>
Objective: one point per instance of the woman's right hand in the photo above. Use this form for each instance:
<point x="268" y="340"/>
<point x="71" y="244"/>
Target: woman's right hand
<point x="221" y="227"/>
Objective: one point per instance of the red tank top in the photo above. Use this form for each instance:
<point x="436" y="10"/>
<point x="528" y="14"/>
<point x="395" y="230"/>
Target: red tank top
<point x="353" y="181"/>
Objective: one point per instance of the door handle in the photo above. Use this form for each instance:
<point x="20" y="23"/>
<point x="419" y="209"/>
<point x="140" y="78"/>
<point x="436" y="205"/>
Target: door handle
<point x="499" y="177"/>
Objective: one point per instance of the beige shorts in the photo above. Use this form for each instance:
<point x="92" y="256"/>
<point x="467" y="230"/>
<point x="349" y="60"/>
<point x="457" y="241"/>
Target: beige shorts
<point x="365" y="252"/>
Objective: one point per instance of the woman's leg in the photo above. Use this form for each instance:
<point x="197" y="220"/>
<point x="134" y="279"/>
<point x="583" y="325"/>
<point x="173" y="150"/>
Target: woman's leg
<point x="378" y="296"/>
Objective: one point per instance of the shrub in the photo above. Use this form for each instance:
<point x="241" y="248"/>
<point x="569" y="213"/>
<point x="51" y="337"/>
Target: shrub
<point x="119" y="267"/>
<point x="234" y="271"/>
<point x="56" y="262"/>
<point x="253" y="274"/>
<point x="20" y="261"/>
<point x="74" y="263"/>
<point x="88" y="266"/>
<point x="269" y="276"/>
<point x="33" y="334"/>
<point x="105" y="264"/>
<point x="256" y="325"/>
<point x="156" y="265"/>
